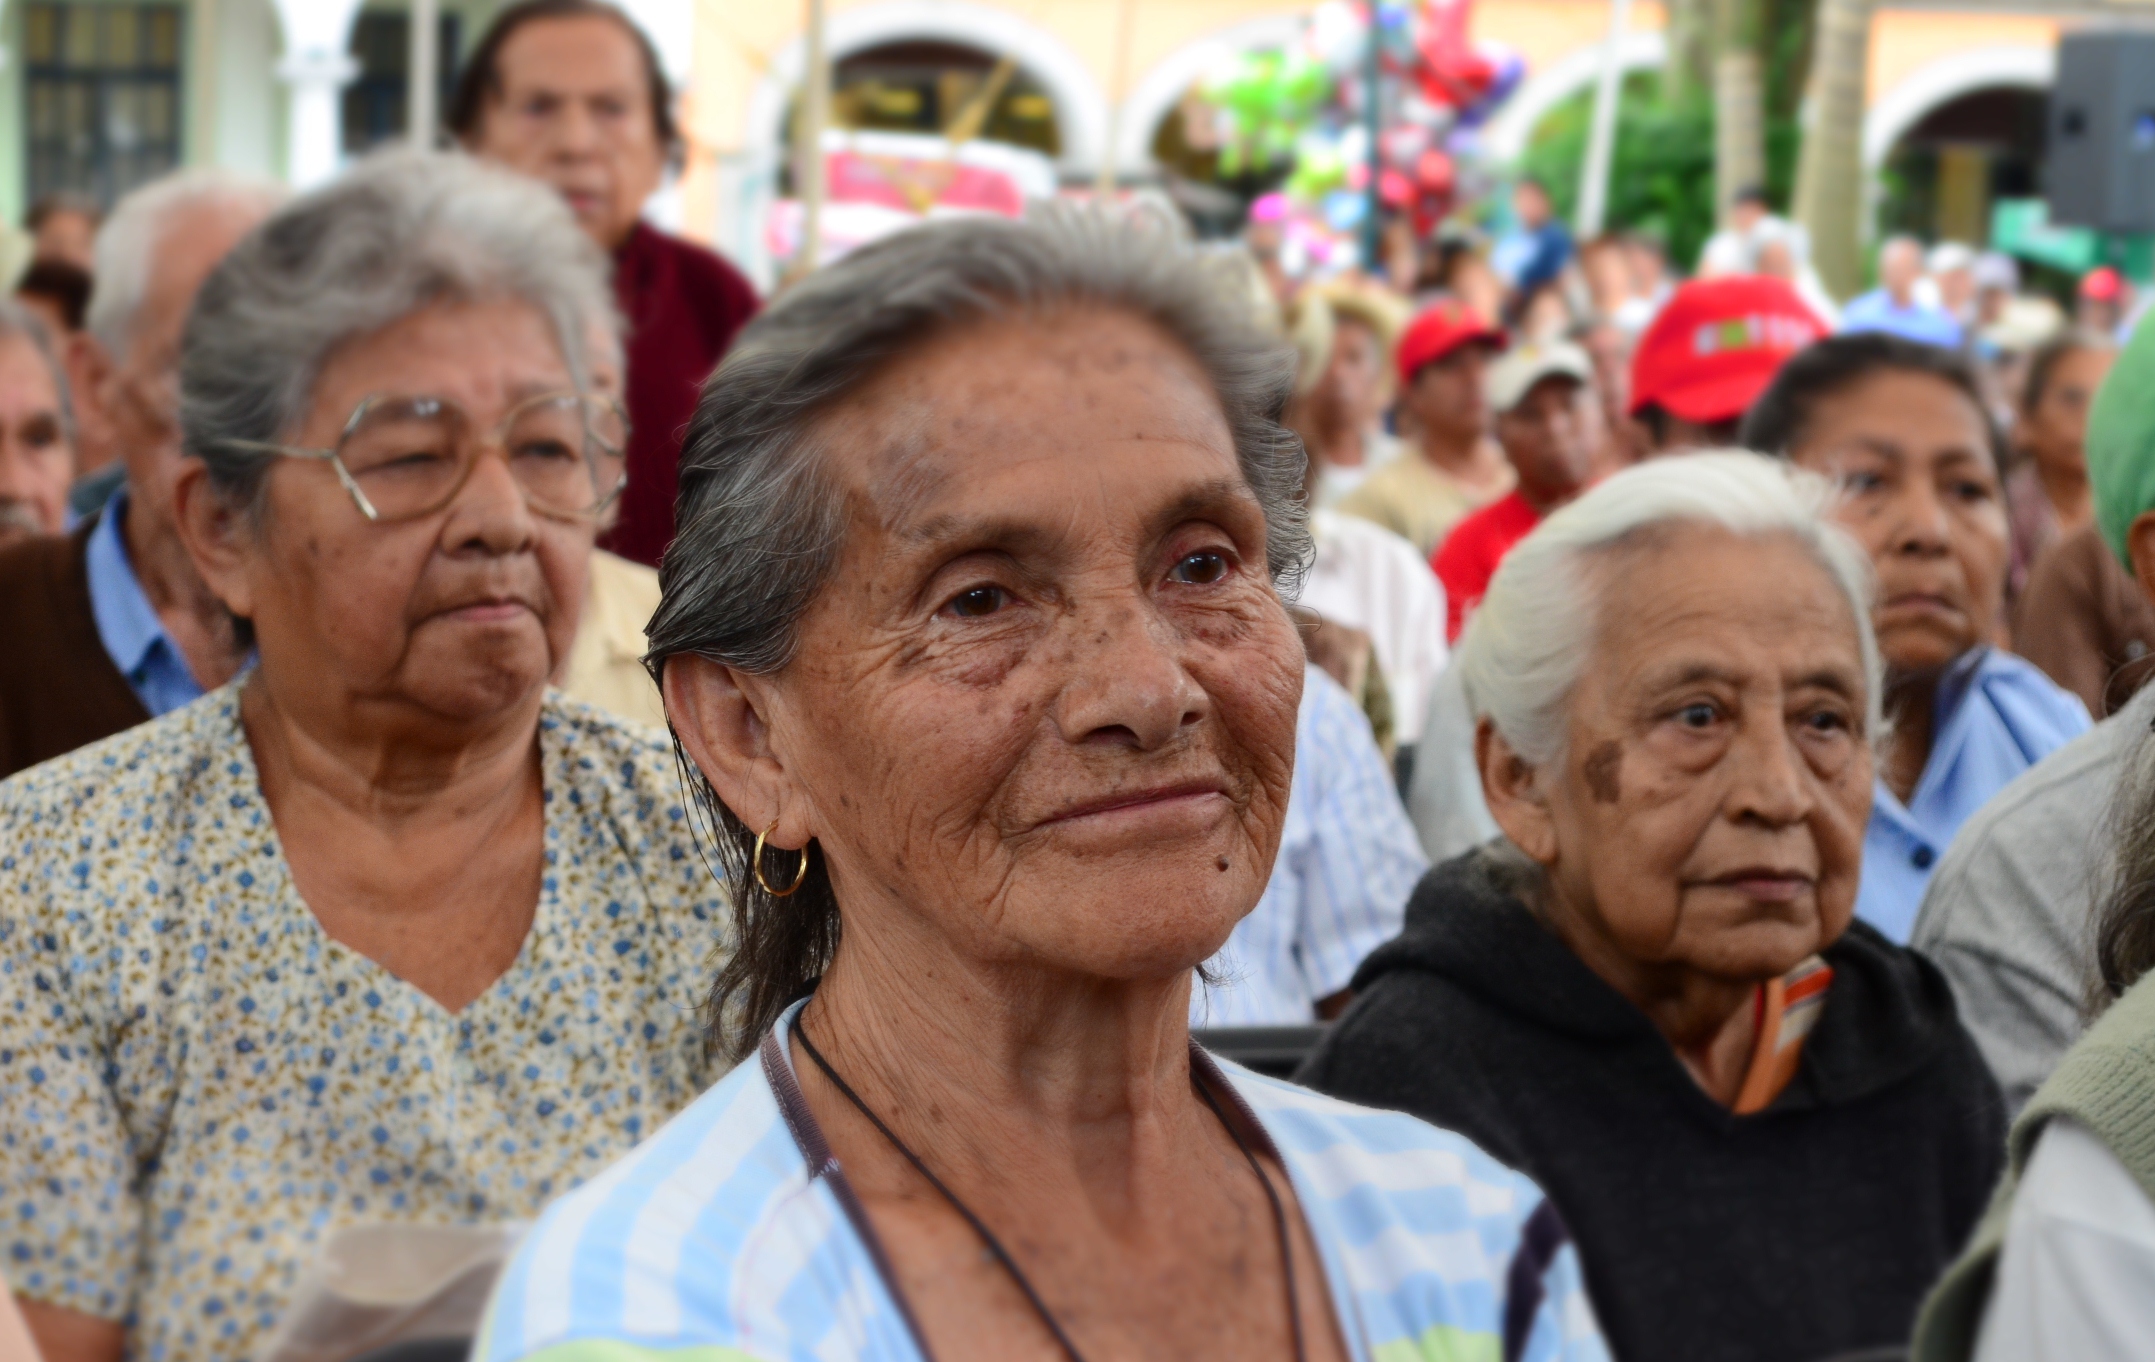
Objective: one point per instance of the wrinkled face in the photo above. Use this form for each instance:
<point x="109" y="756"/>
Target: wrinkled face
<point x="1550" y="438"/>
<point x="1450" y="396"/>
<point x="36" y="462"/>
<point x="2055" y="431"/>
<point x="574" y="109"/>
<point x="1710" y="808"/>
<point x="1357" y="370"/>
<point x="460" y="614"/>
<point x="1900" y="264"/>
<point x="140" y="393"/>
<point x="1047" y="701"/>
<point x="1912" y="456"/>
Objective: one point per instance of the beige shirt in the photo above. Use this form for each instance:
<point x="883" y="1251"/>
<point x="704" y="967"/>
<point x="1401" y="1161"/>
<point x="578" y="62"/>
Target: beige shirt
<point x="606" y="662"/>
<point x="1416" y="500"/>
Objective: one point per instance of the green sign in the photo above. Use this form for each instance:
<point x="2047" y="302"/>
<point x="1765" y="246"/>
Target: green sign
<point x="2022" y="228"/>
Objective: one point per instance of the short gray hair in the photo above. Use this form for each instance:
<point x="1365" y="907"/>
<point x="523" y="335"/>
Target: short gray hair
<point x="1529" y="643"/>
<point x="17" y="320"/>
<point x="399" y="232"/>
<point x="126" y="250"/>
<point x="760" y="526"/>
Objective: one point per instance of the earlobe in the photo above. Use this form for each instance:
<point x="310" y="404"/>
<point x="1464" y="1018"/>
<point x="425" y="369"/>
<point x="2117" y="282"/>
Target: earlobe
<point x="718" y="714"/>
<point x="214" y="534"/>
<point x="1511" y="787"/>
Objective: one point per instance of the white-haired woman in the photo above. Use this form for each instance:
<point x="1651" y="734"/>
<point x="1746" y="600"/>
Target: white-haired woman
<point x="1764" y="1126"/>
<point x="383" y="930"/>
<point x="972" y="636"/>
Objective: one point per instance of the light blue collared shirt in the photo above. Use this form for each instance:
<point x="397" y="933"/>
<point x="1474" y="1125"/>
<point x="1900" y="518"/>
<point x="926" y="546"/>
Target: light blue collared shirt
<point x="1876" y="311"/>
<point x="127" y="623"/>
<point x="1996" y="716"/>
<point x="1348" y="860"/>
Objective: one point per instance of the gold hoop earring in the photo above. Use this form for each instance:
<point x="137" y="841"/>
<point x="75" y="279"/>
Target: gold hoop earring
<point x="756" y="864"/>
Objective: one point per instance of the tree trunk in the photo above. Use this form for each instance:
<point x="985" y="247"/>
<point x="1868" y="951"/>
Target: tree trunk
<point x="1684" y="67"/>
<point x="1829" y="171"/>
<point x="1739" y="102"/>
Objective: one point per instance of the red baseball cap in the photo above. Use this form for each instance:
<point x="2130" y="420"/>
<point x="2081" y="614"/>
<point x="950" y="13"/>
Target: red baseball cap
<point x="1716" y="344"/>
<point x="1440" y="329"/>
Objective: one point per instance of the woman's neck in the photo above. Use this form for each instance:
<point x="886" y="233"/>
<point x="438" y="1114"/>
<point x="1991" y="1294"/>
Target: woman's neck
<point x="2065" y="486"/>
<point x="420" y="852"/>
<point x="1708" y="1021"/>
<point x="381" y="760"/>
<point x="1001" y="1057"/>
<point x="1912" y="706"/>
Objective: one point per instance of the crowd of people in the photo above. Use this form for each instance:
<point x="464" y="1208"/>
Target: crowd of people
<point x="506" y="729"/>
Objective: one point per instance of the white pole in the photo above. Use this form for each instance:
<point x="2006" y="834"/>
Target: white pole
<point x="1104" y="186"/>
<point x="813" y="113"/>
<point x="423" y="73"/>
<point x="317" y="80"/>
<point x="1601" y="141"/>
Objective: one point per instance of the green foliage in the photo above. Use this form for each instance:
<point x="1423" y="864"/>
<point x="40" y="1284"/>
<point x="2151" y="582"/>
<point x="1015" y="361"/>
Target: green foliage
<point x="1662" y="179"/>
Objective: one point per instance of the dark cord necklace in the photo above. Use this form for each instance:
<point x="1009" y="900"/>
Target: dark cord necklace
<point x="1002" y="1255"/>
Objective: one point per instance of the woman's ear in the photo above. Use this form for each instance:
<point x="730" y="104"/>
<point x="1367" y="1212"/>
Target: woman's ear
<point x="718" y="714"/>
<point x="1514" y="796"/>
<point x="2140" y="547"/>
<point x="218" y="537"/>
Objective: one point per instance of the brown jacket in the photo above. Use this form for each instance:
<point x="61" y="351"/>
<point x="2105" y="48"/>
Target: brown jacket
<point x="59" y="689"/>
<point x="2086" y="623"/>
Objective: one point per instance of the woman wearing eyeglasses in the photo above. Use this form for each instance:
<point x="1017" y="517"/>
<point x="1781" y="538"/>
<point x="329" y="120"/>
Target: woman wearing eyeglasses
<point x="383" y="930"/>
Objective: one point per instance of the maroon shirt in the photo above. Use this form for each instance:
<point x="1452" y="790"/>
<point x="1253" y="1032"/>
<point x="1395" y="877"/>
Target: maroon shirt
<point x="683" y="306"/>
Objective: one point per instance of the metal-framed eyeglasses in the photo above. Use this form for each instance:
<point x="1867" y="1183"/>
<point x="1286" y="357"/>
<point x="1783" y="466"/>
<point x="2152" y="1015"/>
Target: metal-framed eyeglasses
<point x="405" y="457"/>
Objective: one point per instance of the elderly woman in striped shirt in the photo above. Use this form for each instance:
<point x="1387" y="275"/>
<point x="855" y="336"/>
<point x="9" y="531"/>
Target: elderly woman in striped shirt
<point x="973" y="639"/>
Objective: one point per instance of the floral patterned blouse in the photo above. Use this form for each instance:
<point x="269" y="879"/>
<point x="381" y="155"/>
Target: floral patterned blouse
<point x="197" y="1083"/>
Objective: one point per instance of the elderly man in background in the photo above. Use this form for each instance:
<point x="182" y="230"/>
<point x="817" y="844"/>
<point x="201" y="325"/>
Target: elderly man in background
<point x="571" y="92"/>
<point x="1757" y="1115"/>
<point x="1896" y="306"/>
<point x="1450" y="467"/>
<point x="112" y="625"/>
<point x="384" y="930"/>
<point x="2009" y="915"/>
<point x="1549" y="426"/>
<point x="36" y="428"/>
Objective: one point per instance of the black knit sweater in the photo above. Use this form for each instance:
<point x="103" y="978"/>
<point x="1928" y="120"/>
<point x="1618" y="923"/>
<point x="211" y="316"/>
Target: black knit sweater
<point x="1807" y="1230"/>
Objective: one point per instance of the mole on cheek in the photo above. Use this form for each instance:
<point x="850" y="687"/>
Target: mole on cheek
<point x="1604" y="772"/>
<point x="1223" y="865"/>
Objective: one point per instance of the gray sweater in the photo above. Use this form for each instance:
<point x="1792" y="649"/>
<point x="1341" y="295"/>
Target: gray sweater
<point x="2009" y="916"/>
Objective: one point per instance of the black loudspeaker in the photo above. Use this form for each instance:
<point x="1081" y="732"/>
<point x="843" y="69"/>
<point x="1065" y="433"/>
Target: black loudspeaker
<point x="2100" y="161"/>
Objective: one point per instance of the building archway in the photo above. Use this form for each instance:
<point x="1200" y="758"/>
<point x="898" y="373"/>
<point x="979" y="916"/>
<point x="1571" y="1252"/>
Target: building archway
<point x="1894" y="113"/>
<point x="1079" y="107"/>
<point x="1506" y="136"/>
<point x="1942" y="176"/>
<point x="1158" y="94"/>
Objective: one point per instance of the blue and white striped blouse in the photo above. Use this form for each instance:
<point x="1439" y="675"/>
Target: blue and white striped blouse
<point x="732" y="1235"/>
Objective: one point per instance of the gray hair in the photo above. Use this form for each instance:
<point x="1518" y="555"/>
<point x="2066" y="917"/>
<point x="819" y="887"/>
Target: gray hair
<point x="760" y="527"/>
<point x="17" y="320"/>
<point x="399" y="232"/>
<point x="126" y="249"/>
<point x="1529" y="643"/>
